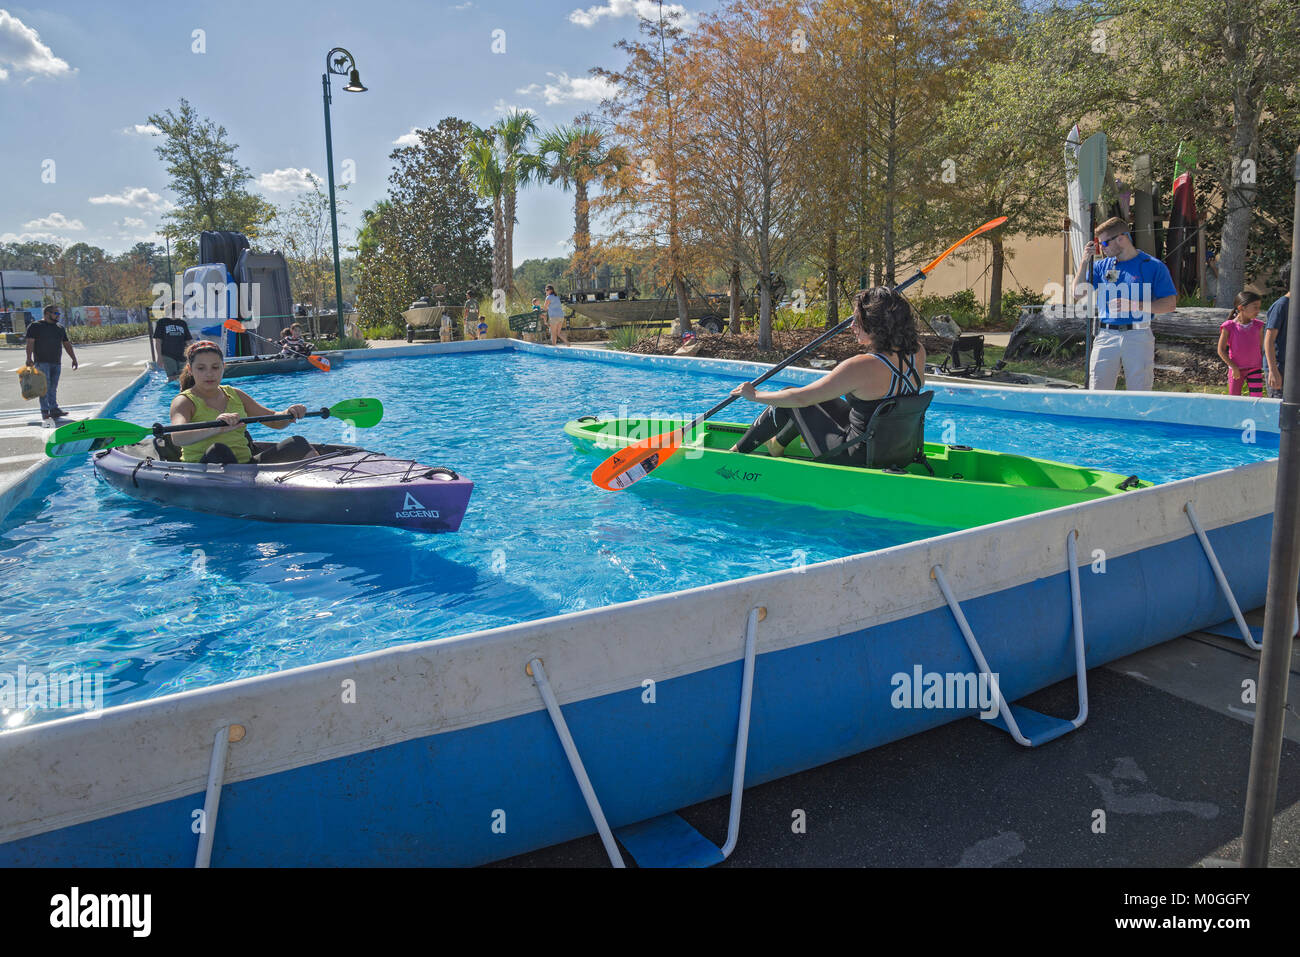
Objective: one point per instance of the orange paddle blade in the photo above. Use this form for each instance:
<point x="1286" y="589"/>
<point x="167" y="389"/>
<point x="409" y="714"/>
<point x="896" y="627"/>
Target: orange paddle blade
<point x="635" y="462"/>
<point x="234" y="325"/>
<point x="320" y="362"/>
<point x="991" y="224"/>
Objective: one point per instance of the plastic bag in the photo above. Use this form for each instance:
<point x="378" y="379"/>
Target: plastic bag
<point x="32" y="381"/>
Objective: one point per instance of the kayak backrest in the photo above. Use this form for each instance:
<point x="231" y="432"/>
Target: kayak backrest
<point x="895" y="435"/>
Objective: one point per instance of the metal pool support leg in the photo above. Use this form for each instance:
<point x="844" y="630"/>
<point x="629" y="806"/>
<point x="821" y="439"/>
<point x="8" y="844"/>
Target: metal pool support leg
<point x="1246" y="636"/>
<point x="225" y="736"/>
<point x="575" y="761"/>
<point x="667" y="840"/>
<point x="1028" y="727"/>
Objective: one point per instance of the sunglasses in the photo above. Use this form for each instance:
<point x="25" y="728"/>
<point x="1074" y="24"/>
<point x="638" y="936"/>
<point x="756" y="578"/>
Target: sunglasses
<point x="1107" y="242"/>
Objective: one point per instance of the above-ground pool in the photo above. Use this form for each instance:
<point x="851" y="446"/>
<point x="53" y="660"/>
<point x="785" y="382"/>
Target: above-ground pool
<point x="161" y="600"/>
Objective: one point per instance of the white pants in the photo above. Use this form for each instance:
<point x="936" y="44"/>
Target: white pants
<point x="1134" y="349"/>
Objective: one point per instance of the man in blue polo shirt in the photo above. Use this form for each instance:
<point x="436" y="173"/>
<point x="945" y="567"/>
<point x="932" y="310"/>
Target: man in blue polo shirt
<point x="1132" y="286"/>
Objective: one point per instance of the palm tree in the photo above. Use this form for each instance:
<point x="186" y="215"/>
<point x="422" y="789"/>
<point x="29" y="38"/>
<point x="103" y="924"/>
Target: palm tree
<point x="576" y="156"/>
<point x="482" y="168"/>
<point x="512" y="133"/>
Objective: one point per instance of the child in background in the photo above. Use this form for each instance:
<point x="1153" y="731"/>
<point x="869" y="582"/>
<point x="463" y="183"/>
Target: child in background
<point x="1241" y="345"/>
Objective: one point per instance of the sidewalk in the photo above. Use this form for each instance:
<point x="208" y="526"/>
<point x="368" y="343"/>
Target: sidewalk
<point x="103" y="369"/>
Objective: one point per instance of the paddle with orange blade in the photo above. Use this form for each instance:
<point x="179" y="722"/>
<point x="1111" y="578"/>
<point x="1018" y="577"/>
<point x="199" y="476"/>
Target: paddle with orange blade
<point x="234" y="325"/>
<point x="629" y="465"/>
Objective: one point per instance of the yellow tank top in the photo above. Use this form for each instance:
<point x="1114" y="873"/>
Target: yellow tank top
<point x="236" y="441"/>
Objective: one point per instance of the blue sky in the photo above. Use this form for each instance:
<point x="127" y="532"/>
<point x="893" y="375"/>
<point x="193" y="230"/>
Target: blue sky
<point x="79" y="76"/>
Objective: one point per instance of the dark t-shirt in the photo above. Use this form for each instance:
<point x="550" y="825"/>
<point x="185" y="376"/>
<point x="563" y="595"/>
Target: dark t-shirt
<point x="1277" y="317"/>
<point x="174" y="334"/>
<point x="49" y="337"/>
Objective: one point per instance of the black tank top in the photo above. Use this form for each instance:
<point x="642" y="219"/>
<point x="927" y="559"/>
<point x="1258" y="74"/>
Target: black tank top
<point x="901" y="383"/>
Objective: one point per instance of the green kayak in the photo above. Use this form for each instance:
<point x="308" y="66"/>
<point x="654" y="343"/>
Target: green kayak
<point x="969" y="487"/>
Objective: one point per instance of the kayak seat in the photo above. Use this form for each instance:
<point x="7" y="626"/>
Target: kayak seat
<point x="166" y="449"/>
<point x="894" y="437"/>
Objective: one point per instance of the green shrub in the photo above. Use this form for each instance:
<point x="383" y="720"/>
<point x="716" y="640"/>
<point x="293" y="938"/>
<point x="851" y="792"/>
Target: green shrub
<point x="811" y="316"/>
<point x="1013" y="300"/>
<point x="345" y="342"/>
<point x="962" y="306"/>
<point x="385" y="330"/>
<point x="624" y="338"/>
<point x="126" y="330"/>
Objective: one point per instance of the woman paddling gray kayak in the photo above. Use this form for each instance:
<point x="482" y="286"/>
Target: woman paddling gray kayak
<point x="204" y="399"/>
<point x="293" y="481"/>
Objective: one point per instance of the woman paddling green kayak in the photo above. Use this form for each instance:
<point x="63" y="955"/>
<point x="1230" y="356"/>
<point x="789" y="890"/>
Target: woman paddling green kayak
<point x="868" y="410"/>
<point x="204" y="399"/>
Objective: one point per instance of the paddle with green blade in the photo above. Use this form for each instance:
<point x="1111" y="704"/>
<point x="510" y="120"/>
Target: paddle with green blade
<point x="92" y="435"/>
<point x="635" y="462"/>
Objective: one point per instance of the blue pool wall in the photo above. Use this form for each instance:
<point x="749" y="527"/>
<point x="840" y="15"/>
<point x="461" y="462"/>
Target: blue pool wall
<point x="448" y="733"/>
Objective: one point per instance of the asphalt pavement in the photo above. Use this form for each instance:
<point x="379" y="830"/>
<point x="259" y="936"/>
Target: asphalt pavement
<point x="103" y="369"/>
<point x="1156" y="777"/>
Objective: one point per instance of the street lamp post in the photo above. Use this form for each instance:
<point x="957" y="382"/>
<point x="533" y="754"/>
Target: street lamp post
<point x="338" y="61"/>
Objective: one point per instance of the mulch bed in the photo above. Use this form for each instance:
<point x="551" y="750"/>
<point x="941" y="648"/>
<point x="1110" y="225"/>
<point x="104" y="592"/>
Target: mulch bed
<point x="1197" y="359"/>
<point x="744" y="346"/>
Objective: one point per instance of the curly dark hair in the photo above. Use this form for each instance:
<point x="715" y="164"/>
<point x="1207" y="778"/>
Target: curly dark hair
<point x="886" y="316"/>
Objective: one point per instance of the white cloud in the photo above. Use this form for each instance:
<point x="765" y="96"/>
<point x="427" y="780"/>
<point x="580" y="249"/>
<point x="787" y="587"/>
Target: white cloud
<point x="501" y="107"/>
<point x="567" y="89"/>
<point x="138" y="196"/>
<point x="130" y="222"/>
<point x="55" y="221"/>
<point x="142" y="129"/>
<point x="289" y="180"/>
<point x="408" y="139"/>
<point x="21" y="48"/>
<point x="632" y="8"/>
<point x="464" y="6"/>
<point x="31" y="238"/>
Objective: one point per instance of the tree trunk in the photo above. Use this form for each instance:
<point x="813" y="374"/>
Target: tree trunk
<point x="733" y="287"/>
<point x="995" y="279"/>
<point x="891" y="175"/>
<point x="1239" y="206"/>
<point x="832" y="279"/>
<point x="683" y="308"/>
<point x="498" y="246"/>
<point x="581" y="227"/>
<point x="509" y="272"/>
<point x="765" y="309"/>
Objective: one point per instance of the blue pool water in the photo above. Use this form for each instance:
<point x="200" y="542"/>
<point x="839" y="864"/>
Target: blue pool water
<point x="162" y="600"/>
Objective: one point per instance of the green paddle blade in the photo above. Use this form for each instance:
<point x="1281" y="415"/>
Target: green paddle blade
<point x="91" y="435"/>
<point x="363" y="413"/>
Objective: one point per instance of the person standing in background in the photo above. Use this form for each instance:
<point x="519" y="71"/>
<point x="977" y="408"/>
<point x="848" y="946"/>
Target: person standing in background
<point x="555" y="315"/>
<point x="471" y="316"/>
<point x="173" y="335"/>
<point x="1129" y="282"/>
<point x="1241" y="346"/>
<point x="46" y="342"/>
<point x="1275" y="333"/>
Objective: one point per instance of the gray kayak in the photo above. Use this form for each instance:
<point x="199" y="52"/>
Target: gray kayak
<point x="343" y="485"/>
<point x="238" y="368"/>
